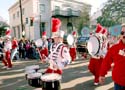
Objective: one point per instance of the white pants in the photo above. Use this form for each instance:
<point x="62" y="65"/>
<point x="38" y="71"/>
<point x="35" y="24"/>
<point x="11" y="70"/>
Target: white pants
<point x="13" y="53"/>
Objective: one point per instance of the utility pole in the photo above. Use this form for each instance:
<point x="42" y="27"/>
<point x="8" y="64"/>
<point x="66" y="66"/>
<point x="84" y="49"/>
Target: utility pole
<point x="21" y="17"/>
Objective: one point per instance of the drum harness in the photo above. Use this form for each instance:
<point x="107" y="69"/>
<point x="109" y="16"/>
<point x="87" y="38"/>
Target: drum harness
<point x="54" y="52"/>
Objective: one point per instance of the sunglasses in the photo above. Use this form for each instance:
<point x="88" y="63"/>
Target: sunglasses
<point x="122" y="33"/>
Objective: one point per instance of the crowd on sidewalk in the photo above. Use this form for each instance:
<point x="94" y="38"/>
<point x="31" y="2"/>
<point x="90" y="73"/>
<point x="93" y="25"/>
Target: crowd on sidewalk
<point x="13" y="50"/>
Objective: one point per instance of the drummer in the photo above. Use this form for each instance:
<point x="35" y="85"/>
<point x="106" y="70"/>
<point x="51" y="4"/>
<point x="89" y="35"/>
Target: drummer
<point x="73" y="47"/>
<point x="96" y="60"/>
<point x="44" y="47"/>
<point x="59" y="56"/>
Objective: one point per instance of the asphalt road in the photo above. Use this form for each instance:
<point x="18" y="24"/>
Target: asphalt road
<point x="75" y="77"/>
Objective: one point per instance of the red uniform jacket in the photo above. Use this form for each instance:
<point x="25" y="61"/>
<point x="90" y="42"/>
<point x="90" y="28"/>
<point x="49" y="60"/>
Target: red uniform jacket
<point x="115" y="54"/>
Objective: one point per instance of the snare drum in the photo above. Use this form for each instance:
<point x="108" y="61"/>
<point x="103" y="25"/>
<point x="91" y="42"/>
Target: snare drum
<point x="34" y="79"/>
<point x="93" y="45"/>
<point x="29" y="72"/>
<point x="51" y="81"/>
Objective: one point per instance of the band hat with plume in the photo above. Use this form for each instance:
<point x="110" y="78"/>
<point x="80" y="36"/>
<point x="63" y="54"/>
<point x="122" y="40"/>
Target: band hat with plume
<point x="100" y="30"/>
<point x="7" y="33"/>
<point x="74" y="33"/>
<point x="56" y="24"/>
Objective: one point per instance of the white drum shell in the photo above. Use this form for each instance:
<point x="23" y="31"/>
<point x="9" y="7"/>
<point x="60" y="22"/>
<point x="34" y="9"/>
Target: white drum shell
<point x="51" y="77"/>
<point x="70" y="39"/>
<point x="93" y="45"/>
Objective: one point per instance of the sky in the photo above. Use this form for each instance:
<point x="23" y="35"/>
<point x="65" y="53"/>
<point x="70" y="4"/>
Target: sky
<point x="5" y="5"/>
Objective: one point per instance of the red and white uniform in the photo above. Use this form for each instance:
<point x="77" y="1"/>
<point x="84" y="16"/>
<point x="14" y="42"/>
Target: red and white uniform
<point x="44" y="49"/>
<point x="96" y="61"/>
<point x="7" y="49"/>
<point x="72" y="49"/>
<point x="116" y="55"/>
<point x="58" y="58"/>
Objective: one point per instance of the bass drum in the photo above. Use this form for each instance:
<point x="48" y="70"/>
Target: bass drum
<point x="70" y="39"/>
<point x="93" y="45"/>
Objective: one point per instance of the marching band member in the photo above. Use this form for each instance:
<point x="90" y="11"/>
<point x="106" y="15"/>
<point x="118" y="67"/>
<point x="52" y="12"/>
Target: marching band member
<point x="7" y="50"/>
<point x="44" y="48"/>
<point x="96" y="60"/>
<point x="59" y="55"/>
<point x="73" y="48"/>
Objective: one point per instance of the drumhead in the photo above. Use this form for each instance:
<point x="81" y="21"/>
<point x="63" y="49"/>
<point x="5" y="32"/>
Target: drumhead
<point x="32" y="67"/>
<point x="39" y="42"/>
<point x="93" y="45"/>
<point x="51" y="77"/>
<point x="70" y="39"/>
<point x="30" y="71"/>
<point x="34" y="75"/>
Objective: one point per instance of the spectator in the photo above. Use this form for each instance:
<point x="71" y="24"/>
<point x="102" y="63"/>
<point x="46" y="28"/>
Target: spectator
<point x="116" y="55"/>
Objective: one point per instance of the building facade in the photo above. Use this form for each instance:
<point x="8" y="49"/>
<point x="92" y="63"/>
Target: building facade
<point x="37" y="14"/>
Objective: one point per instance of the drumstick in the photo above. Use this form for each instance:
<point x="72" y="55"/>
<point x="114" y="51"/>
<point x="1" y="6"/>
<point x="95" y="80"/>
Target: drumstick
<point x="39" y="54"/>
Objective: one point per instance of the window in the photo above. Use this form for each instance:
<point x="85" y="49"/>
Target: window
<point x="57" y="8"/>
<point x="42" y="8"/>
<point x="13" y="16"/>
<point x="18" y="14"/>
<point x="14" y="29"/>
<point x="42" y="27"/>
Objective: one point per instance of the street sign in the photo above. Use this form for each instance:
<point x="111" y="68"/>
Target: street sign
<point x="85" y="32"/>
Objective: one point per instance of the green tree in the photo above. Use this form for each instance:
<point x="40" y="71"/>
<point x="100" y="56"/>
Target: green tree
<point x="3" y="26"/>
<point x="112" y="13"/>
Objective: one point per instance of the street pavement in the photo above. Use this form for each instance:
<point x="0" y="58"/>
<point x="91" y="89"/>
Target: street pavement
<point x="76" y="76"/>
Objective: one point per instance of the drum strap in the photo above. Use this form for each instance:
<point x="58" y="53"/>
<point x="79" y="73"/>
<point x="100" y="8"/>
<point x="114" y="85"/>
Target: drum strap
<point x="56" y="49"/>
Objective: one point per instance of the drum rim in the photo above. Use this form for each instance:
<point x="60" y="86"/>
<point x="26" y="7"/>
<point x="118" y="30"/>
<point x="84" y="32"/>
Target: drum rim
<point x="33" y="76"/>
<point x="98" y="43"/>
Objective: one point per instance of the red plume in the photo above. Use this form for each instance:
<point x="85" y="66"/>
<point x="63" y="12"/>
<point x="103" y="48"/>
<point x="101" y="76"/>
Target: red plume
<point x="104" y="31"/>
<point x="44" y="33"/>
<point x="56" y="23"/>
<point x="98" y="28"/>
<point x="73" y="33"/>
<point x="8" y="32"/>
